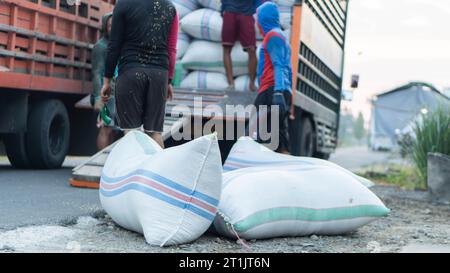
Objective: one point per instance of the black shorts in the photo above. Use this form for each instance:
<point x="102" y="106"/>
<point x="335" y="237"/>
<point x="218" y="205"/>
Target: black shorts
<point x="265" y="98"/>
<point x="141" y="98"/>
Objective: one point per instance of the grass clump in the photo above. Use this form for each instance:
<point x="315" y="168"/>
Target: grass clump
<point x="401" y="176"/>
<point x="432" y="135"/>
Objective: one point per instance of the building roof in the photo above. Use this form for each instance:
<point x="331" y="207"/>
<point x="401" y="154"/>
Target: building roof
<point x="411" y="85"/>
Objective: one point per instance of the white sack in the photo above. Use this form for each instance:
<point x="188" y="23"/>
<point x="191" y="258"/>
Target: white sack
<point x="241" y="83"/>
<point x="184" y="7"/>
<point x="266" y="202"/>
<point x="182" y="44"/>
<point x="211" y="4"/>
<point x="208" y="56"/>
<point x="285" y="16"/>
<point x="248" y="153"/>
<point x="169" y="195"/>
<point x="285" y="2"/>
<point x="205" y="80"/>
<point x="205" y="24"/>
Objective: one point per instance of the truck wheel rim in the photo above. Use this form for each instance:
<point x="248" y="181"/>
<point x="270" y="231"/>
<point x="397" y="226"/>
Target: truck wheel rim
<point x="56" y="135"/>
<point x="308" y="145"/>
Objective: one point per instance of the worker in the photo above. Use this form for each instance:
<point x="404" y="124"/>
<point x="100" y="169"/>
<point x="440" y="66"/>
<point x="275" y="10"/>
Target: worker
<point x="274" y="72"/>
<point x="239" y="25"/>
<point x="106" y="131"/>
<point x="143" y="44"/>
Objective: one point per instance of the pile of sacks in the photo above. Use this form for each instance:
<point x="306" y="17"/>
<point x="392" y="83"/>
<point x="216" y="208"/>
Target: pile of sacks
<point x="199" y="49"/>
<point x="175" y="195"/>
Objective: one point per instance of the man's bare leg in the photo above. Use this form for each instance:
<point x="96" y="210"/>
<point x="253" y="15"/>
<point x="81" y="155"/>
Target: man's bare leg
<point x="283" y="151"/>
<point x="104" y="137"/>
<point x="156" y="136"/>
<point x="252" y="63"/>
<point x="228" y="65"/>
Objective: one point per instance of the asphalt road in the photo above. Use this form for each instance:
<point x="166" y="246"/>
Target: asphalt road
<point x="37" y="197"/>
<point x="354" y="158"/>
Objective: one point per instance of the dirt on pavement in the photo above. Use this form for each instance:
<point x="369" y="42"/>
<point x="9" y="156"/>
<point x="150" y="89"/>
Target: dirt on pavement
<point x="412" y="222"/>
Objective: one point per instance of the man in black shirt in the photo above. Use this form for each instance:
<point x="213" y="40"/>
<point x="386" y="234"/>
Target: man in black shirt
<point x="143" y="45"/>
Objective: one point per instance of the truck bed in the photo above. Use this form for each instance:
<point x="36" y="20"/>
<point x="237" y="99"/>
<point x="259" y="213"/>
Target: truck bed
<point x="88" y="173"/>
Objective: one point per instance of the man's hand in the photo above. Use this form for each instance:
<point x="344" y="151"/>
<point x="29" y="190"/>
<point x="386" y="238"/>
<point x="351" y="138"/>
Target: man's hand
<point x="106" y="90"/>
<point x="252" y="86"/>
<point x="99" y="105"/>
<point x="170" y="92"/>
<point x="278" y="99"/>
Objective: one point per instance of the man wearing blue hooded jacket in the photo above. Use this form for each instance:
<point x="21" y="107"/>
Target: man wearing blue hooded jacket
<point x="274" y="70"/>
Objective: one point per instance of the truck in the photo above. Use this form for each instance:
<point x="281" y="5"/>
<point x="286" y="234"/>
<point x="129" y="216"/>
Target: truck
<point x="44" y="59"/>
<point x="45" y="68"/>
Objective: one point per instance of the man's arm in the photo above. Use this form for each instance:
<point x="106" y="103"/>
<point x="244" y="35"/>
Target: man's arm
<point x="222" y="6"/>
<point x="172" y="46"/>
<point x="277" y="50"/>
<point x="260" y="67"/>
<point x="116" y="38"/>
<point x="98" y="67"/>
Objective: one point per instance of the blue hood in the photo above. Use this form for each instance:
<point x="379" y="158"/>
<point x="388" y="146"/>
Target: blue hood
<point x="268" y="17"/>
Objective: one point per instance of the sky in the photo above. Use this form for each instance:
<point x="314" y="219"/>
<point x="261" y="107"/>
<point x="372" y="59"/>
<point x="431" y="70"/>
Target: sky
<point x="392" y="42"/>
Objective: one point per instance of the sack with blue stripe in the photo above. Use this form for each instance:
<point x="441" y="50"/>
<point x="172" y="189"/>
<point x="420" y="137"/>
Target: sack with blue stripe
<point x="208" y="56"/>
<point x="205" y="24"/>
<point x="294" y="200"/>
<point x="211" y="4"/>
<point x="170" y="196"/>
<point x="184" y="7"/>
<point x="182" y="44"/>
<point x="241" y="83"/>
<point x="247" y="153"/>
<point x="205" y="80"/>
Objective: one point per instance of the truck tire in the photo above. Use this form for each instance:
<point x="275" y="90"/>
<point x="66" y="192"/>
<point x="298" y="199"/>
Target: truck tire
<point x="322" y="155"/>
<point x="307" y="139"/>
<point x="48" y="134"/>
<point x="16" y="150"/>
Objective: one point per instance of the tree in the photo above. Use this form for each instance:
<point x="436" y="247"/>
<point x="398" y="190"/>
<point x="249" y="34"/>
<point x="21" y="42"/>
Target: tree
<point x="359" y="131"/>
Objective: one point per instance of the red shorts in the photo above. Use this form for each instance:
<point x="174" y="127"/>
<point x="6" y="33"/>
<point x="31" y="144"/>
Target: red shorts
<point x="238" y="27"/>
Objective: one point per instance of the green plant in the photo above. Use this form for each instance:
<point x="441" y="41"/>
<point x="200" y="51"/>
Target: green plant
<point x="402" y="176"/>
<point x="432" y="136"/>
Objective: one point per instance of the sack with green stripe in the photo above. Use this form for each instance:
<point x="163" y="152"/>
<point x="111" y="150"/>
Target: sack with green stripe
<point x="248" y="153"/>
<point x="208" y="56"/>
<point x="292" y="200"/>
<point x="205" y="80"/>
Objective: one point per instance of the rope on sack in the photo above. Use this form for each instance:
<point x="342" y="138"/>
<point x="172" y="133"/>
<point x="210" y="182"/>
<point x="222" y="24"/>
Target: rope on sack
<point x="242" y="242"/>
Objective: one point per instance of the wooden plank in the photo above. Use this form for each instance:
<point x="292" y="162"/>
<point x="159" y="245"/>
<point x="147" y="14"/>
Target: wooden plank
<point x="107" y="149"/>
<point x="45" y="37"/>
<point x="90" y="170"/>
<point x="44" y="59"/>
<point x="88" y="173"/>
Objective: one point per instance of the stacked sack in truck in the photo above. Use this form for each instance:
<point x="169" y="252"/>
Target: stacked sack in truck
<point x="200" y="53"/>
<point x="285" y="8"/>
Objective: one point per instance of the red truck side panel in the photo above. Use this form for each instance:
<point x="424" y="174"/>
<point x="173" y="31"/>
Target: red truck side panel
<point x="45" y="45"/>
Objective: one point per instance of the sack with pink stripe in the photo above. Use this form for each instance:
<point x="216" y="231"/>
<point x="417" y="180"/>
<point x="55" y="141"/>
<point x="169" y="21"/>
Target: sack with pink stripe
<point x="184" y="7"/>
<point x="205" y="24"/>
<point x="211" y="4"/>
<point x="170" y="196"/>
